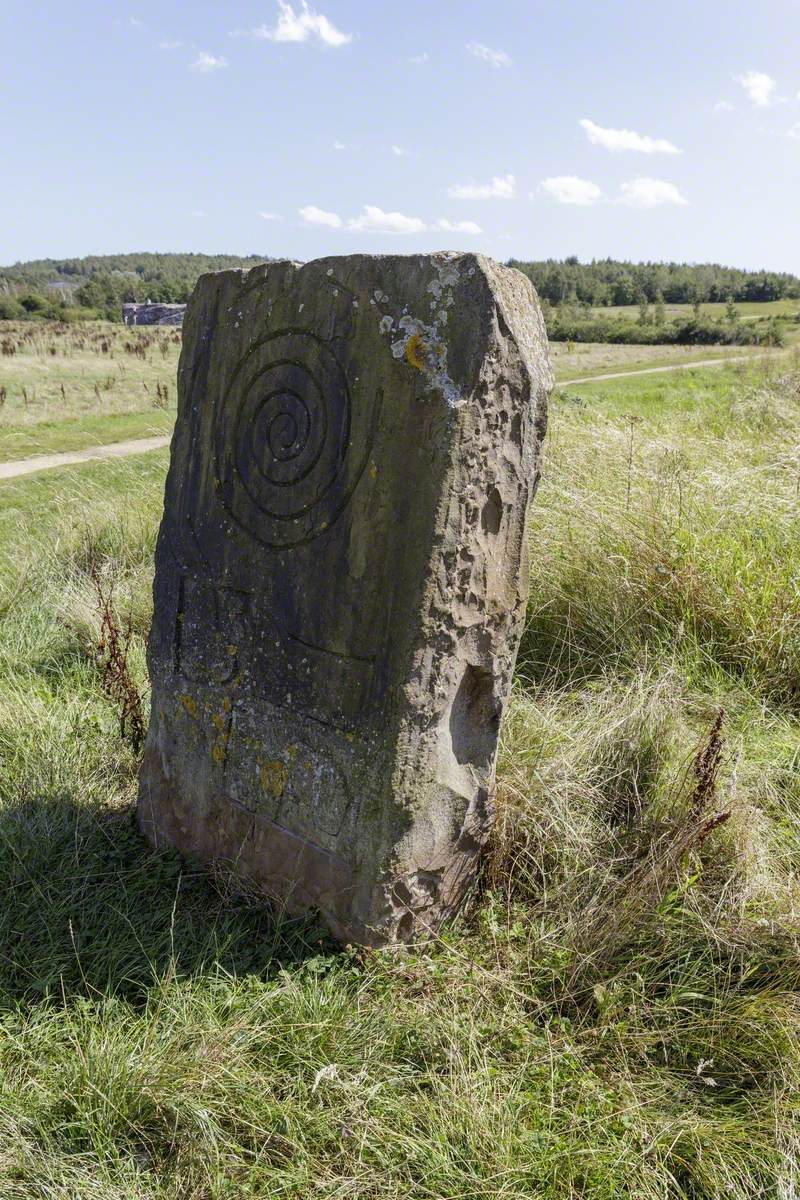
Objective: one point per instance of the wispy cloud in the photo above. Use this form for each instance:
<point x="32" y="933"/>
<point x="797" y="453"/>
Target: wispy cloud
<point x="570" y="189"/>
<point x="135" y="22"/>
<point x="470" y="227"/>
<point x="650" y="193"/>
<point x="375" y="220"/>
<point x="271" y="216"/>
<point x="208" y="62"/>
<point x="301" y="26"/>
<point x="398" y="151"/>
<point x="724" y="106"/>
<point x="501" y="187"/>
<point x="372" y="219"/>
<point x="759" y="87"/>
<point x="794" y="132"/>
<point x="496" y="58"/>
<point x="319" y="216"/>
<point x="625" y="139"/>
<point x="337" y="145"/>
<point x="419" y="59"/>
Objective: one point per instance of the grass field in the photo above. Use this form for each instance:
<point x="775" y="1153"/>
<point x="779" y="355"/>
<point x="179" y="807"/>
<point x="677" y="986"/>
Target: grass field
<point x="64" y="387"/>
<point x="573" y="360"/>
<point x="747" y="310"/>
<point x="616" y="1017"/>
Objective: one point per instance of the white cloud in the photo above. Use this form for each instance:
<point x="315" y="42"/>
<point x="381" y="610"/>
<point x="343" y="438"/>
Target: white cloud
<point x="208" y="62"/>
<point x="318" y="216"/>
<point x="759" y="87"/>
<point x="794" y="132"/>
<point x="649" y="193"/>
<point x="375" y="220"/>
<point x="724" y="106"/>
<point x="135" y="22"/>
<point x="398" y="151"/>
<point x="501" y="188"/>
<point x="569" y="189"/>
<point x="626" y="139"/>
<point x="269" y="216"/>
<point x="418" y="59"/>
<point x="197" y="212"/>
<point x="337" y="145"/>
<point x="458" y="226"/>
<point x="497" y="58"/>
<point x="299" y="26"/>
<point x="169" y="45"/>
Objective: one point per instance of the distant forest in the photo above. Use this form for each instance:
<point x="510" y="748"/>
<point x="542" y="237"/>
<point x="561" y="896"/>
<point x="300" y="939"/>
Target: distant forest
<point x="102" y="283"/>
<point x="98" y="285"/>
<point x="607" y="281"/>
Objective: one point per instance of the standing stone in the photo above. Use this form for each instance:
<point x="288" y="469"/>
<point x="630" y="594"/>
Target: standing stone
<point x="341" y="579"/>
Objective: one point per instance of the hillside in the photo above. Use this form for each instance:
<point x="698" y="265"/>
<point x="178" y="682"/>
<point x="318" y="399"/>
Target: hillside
<point x="103" y="282"/>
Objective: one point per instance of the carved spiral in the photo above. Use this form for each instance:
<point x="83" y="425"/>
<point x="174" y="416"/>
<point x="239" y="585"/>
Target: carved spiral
<point x="284" y="440"/>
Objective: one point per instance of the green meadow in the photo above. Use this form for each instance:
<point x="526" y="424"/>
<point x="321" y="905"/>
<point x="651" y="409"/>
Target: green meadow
<point x="69" y="386"/>
<point x="615" y="1015"/>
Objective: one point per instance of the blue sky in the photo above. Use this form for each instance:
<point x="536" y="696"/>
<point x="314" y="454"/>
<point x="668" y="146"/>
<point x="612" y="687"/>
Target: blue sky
<point x="519" y="128"/>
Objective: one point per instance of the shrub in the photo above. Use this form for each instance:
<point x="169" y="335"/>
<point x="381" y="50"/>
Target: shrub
<point x="689" y="331"/>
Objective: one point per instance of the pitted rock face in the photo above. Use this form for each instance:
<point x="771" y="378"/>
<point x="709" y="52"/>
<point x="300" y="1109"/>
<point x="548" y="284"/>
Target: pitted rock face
<point x="341" y="578"/>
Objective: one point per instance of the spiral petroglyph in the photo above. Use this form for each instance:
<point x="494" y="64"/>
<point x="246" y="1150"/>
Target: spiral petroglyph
<point x="288" y="456"/>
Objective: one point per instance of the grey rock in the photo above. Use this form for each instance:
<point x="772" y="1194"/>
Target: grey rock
<point x="341" y="579"/>
<point x="153" y="314"/>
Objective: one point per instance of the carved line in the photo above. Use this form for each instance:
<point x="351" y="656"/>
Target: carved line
<point x="340" y="452"/>
<point x="244" y="423"/>
<point x="335" y="513"/>
<point x="368" y="660"/>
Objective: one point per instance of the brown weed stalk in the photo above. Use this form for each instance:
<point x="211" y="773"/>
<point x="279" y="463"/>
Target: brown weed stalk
<point x="111" y="655"/>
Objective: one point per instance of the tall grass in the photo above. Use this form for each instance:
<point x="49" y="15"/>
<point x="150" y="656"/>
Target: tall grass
<point x="617" y="1014"/>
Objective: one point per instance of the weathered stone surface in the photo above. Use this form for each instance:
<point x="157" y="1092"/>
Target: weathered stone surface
<point x="341" y="578"/>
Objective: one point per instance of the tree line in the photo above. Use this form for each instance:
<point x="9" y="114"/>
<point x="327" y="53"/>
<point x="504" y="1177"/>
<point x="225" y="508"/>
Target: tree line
<point x="605" y="282"/>
<point x="98" y="285"/>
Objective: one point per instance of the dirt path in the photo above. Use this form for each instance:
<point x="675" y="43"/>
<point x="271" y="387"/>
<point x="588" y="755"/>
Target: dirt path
<point x="689" y="366"/>
<point x="26" y="466"/>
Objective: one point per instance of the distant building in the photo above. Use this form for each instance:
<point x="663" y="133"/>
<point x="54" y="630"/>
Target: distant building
<point x="153" y="314"/>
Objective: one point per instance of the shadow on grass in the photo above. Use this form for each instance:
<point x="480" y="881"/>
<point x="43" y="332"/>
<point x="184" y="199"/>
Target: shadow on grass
<point x="90" y="908"/>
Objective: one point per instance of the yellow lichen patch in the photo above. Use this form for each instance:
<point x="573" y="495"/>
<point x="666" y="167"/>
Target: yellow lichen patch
<point x="373" y="470"/>
<point x="415" y="349"/>
<point x="232" y="650"/>
<point x="273" y="776"/>
<point x="190" y="705"/>
<point x="226" y="704"/>
<point x="220" y="721"/>
<point x="218" y="752"/>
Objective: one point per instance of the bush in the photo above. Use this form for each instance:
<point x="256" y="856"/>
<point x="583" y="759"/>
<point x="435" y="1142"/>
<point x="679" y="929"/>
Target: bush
<point x="10" y="309"/>
<point x="32" y="302"/>
<point x="689" y="331"/>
